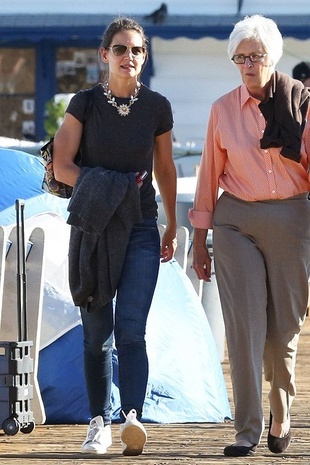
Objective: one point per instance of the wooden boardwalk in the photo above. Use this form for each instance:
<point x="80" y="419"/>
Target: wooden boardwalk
<point x="190" y="444"/>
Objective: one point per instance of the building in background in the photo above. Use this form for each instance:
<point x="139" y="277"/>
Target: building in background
<point x="48" y="48"/>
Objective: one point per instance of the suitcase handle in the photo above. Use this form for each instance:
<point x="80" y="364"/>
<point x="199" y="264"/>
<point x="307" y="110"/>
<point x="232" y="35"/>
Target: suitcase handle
<point x="21" y="272"/>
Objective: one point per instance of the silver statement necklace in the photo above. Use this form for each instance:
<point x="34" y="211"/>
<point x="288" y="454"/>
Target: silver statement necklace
<point x="124" y="108"/>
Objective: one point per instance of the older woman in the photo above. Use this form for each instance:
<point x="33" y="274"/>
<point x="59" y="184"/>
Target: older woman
<point x="257" y="150"/>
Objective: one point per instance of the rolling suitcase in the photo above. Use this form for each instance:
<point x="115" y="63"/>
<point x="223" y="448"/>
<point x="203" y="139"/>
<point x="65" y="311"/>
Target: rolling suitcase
<point x="16" y="363"/>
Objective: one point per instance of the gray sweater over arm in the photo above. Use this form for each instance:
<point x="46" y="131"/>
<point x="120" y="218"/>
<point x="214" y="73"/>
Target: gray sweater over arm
<point x="103" y="209"/>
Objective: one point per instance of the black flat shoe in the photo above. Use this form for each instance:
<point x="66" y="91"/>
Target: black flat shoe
<point x="239" y="451"/>
<point x="278" y="445"/>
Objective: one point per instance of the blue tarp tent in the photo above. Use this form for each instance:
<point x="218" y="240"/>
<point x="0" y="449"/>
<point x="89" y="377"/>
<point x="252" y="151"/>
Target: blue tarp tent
<point x="186" y="382"/>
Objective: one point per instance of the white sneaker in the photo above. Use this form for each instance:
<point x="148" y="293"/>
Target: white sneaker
<point x="133" y="435"/>
<point x="98" y="437"/>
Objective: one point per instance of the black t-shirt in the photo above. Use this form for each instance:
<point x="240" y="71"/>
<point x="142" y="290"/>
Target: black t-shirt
<point x="123" y="143"/>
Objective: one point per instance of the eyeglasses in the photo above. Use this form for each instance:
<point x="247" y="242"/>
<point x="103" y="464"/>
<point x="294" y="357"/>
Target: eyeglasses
<point x="119" y="50"/>
<point x="254" y="58"/>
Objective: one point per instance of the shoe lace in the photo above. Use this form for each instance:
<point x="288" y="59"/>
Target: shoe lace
<point x="94" y="433"/>
<point x="131" y="415"/>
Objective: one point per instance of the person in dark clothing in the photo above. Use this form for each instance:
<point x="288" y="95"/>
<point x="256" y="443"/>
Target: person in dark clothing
<point x="302" y="73"/>
<point x="126" y="137"/>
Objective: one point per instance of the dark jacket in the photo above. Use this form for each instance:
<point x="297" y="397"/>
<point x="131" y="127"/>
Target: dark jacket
<point x="285" y="111"/>
<point x="103" y="209"/>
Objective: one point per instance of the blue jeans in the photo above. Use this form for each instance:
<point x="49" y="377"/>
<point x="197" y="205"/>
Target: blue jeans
<point x="133" y="300"/>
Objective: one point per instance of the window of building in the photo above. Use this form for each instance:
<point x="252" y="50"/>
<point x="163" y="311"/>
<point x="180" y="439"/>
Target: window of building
<point x="17" y="93"/>
<point x="76" y="68"/>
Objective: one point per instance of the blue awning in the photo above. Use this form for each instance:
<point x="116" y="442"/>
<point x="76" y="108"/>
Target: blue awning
<point x="79" y="28"/>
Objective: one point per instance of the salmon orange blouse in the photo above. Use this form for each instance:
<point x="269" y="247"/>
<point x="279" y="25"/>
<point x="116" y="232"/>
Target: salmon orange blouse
<point x="232" y="159"/>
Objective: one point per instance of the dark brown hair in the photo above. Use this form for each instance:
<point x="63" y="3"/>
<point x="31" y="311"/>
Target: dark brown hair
<point x="119" y="25"/>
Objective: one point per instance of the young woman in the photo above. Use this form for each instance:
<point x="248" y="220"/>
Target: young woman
<point x="126" y="136"/>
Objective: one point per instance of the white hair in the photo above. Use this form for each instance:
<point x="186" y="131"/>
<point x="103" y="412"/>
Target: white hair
<point x="259" y="28"/>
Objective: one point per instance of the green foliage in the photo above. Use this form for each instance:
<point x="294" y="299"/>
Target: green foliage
<point x="54" y="113"/>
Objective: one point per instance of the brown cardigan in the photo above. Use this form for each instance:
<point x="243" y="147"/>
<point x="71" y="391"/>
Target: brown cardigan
<point x="285" y="111"/>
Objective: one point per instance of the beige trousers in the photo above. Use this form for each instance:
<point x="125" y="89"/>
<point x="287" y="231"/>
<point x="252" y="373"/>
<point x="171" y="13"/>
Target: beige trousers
<point x="262" y="265"/>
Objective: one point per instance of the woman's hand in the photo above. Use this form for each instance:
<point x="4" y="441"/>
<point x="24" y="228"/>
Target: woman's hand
<point x="201" y="257"/>
<point x="140" y="177"/>
<point x="168" y="245"/>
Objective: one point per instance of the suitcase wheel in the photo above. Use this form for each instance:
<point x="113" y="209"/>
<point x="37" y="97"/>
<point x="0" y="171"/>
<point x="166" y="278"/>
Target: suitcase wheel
<point x="29" y="428"/>
<point x="10" y="426"/>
